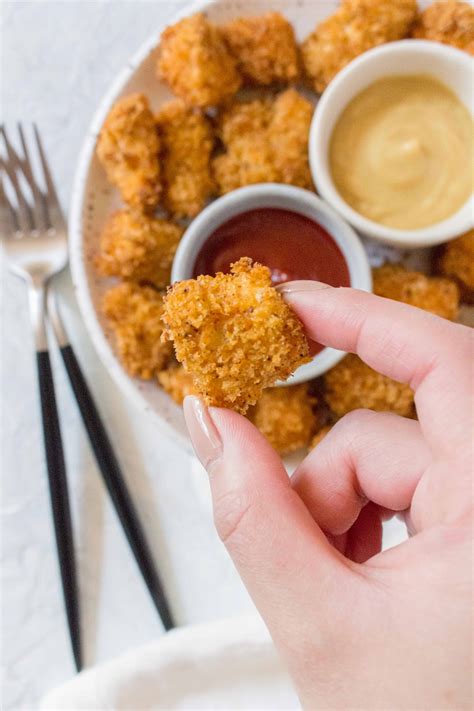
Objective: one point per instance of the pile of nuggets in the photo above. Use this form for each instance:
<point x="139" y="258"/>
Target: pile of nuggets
<point x="244" y="95"/>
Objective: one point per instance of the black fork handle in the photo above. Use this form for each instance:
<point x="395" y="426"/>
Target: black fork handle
<point x="59" y="496"/>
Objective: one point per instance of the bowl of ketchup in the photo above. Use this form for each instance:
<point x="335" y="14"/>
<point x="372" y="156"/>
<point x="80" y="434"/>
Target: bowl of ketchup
<point x="290" y="230"/>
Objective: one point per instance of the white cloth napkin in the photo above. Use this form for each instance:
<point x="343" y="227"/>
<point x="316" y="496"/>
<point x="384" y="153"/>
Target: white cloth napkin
<point x="230" y="664"/>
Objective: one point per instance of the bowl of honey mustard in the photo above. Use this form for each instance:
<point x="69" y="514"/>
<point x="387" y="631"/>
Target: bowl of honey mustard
<point x="292" y="232"/>
<point x="392" y="143"/>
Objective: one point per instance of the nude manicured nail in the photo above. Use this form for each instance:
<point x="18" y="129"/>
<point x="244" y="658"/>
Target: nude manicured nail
<point x="304" y="285"/>
<point x="204" y="435"/>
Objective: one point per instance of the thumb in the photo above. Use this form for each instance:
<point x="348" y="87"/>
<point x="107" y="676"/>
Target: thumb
<point x="284" y="559"/>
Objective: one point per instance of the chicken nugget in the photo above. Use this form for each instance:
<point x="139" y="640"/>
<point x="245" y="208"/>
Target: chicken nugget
<point x="320" y="435"/>
<point x="196" y="64"/>
<point x="457" y="262"/>
<point x="285" y="416"/>
<point x="352" y="384"/>
<point x="138" y="248"/>
<point x="289" y="132"/>
<point x="187" y="141"/>
<point x="234" y="333"/>
<point x="449" y="22"/>
<point x="134" y="313"/>
<point x="264" y="47"/>
<point x="177" y="382"/>
<point x="128" y="147"/>
<point x="436" y="294"/>
<point x="357" y="25"/>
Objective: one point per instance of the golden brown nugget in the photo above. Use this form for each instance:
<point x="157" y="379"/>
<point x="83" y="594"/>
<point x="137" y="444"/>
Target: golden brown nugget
<point x="285" y="416"/>
<point x="187" y="140"/>
<point x="234" y="334"/>
<point x="457" y="262"/>
<point x="436" y="294"/>
<point x="320" y="435"/>
<point x="177" y="383"/>
<point x="134" y="313"/>
<point x="264" y="47"/>
<point x="128" y="147"/>
<point x="196" y="64"/>
<point x="352" y="384"/>
<point x="289" y="132"/>
<point x="449" y="22"/>
<point x="136" y="247"/>
<point x="358" y="25"/>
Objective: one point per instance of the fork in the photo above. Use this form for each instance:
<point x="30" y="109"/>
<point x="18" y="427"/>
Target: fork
<point x="34" y="235"/>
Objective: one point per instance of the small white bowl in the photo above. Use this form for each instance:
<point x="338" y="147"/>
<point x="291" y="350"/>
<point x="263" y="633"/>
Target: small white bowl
<point x="450" y="66"/>
<point x="284" y="197"/>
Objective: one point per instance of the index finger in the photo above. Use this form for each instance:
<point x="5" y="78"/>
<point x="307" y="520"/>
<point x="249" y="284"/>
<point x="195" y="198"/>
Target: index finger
<point x="407" y="344"/>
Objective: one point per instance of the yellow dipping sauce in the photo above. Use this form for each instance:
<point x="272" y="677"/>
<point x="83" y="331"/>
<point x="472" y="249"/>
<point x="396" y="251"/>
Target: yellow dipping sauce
<point x="401" y="152"/>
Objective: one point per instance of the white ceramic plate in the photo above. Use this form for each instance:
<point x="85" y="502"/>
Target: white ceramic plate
<point x="94" y="199"/>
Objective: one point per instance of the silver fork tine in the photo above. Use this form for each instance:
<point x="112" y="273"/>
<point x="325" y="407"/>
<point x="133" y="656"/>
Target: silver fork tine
<point x="8" y="220"/>
<point x="54" y="208"/>
<point x="23" y="214"/>
<point x="39" y="206"/>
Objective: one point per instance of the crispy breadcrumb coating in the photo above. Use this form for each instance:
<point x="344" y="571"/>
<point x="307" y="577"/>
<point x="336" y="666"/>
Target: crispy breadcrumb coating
<point x="352" y="384"/>
<point x="457" y="262"/>
<point x="285" y="416"/>
<point x="449" y="22"/>
<point x="264" y="47"/>
<point x="436" y="294"/>
<point x="234" y="334"/>
<point x="266" y="141"/>
<point x="196" y="64"/>
<point x="134" y="313"/>
<point x="320" y="435"/>
<point x="177" y="383"/>
<point x="357" y="25"/>
<point x="187" y="140"/>
<point x="136" y="247"/>
<point x="128" y="147"/>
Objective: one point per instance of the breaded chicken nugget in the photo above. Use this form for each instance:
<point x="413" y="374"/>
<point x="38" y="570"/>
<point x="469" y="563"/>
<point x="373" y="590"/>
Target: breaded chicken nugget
<point x="358" y="25"/>
<point x="457" y="262"/>
<point x="320" y="435"/>
<point x="435" y="294"/>
<point x="264" y="47"/>
<point x="234" y="334"/>
<point x="187" y="141"/>
<point x="138" y="248"/>
<point x="134" y="313"/>
<point x="449" y="22"/>
<point x="285" y="416"/>
<point x="177" y="383"/>
<point x="352" y="384"/>
<point x="128" y="147"/>
<point x="196" y="64"/>
<point x="288" y="132"/>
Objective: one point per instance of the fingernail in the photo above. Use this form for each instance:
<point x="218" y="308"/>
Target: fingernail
<point x="304" y="285"/>
<point x="202" y="430"/>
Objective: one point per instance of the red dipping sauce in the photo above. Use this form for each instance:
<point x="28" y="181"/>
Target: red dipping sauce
<point x="291" y="245"/>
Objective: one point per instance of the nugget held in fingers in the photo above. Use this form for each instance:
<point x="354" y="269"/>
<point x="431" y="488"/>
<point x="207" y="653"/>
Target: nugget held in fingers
<point x="435" y="294"/>
<point x="352" y="384"/>
<point x="449" y="22"/>
<point x="457" y="262"/>
<point x="234" y="334"/>
<point x="128" y="147"/>
<point x="196" y="63"/>
<point x="357" y="25"/>
<point x="187" y="142"/>
<point x="136" y="247"/>
<point x="264" y="47"/>
<point x="134" y="313"/>
<point x="176" y="382"/>
<point x="286" y="417"/>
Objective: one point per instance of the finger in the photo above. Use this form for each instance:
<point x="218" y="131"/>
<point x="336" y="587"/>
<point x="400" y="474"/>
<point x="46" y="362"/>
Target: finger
<point x="283" y="557"/>
<point x="412" y="346"/>
<point x="364" y="538"/>
<point x="367" y="456"/>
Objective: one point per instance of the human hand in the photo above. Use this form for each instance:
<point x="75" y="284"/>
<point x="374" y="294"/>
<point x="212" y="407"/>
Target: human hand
<point x="357" y="628"/>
